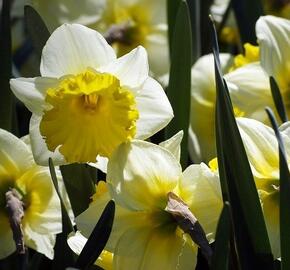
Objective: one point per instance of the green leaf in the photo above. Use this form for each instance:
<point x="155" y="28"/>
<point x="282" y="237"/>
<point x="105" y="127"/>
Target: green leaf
<point x="220" y="258"/>
<point x="6" y="100"/>
<point x="194" y="11"/>
<point x="37" y="29"/>
<point x="247" y="13"/>
<point x="237" y="181"/>
<point x="284" y="196"/>
<point x="180" y="78"/>
<point x="79" y="180"/>
<point x="64" y="256"/>
<point x="172" y="9"/>
<point x="278" y="100"/>
<point x="98" y="238"/>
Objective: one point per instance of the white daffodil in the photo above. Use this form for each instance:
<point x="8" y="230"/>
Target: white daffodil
<point x="249" y="89"/>
<point x="87" y="101"/>
<point x="262" y="150"/>
<point x="141" y="178"/>
<point x="126" y="24"/>
<point x="34" y="191"/>
<point x="274" y="38"/>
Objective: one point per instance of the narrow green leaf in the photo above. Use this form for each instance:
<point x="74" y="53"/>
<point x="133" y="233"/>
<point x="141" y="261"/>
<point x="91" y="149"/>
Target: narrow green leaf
<point x="238" y="183"/>
<point x="98" y="238"/>
<point x="34" y="262"/>
<point x="284" y="196"/>
<point x="80" y="185"/>
<point x="194" y="11"/>
<point x="220" y="258"/>
<point x="64" y="256"/>
<point x="172" y="9"/>
<point x="278" y="100"/>
<point x="37" y="29"/>
<point x="6" y="100"/>
<point x="247" y="13"/>
<point x="180" y="78"/>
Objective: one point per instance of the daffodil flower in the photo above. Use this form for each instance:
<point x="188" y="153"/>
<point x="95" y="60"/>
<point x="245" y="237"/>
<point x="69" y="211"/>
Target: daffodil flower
<point x="249" y="90"/>
<point x="42" y="216"/>
<point x="273" y="35"/>
<point x="262" y="150"/>
<point x="126" y="24"/>
<point x="141" y="176"/>
<point x="87" y="102"/>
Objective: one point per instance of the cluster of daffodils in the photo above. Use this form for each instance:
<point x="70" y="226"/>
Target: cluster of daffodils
<point x="95" y="102"/>
<point x="89" y="105"/>
<point x="247" y="77"/>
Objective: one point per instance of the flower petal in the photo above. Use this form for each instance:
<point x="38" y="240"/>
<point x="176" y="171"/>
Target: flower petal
<point x="15" y="156"/>
<point x="274" y="38"/>
<point x="200" y="189"/>
<point x="173" y="144"/>
<point x="42" y="243"/>
<point x="203" y="104"/>
<point x="43" y="213"/>
<point x="140" y="175"/>
<point x="155" y="111"/>
<point x="32" y="91"/>
<point x="261" y="147"/>
<point x="158" y="51"/>
<point x="124" y="218"/>
<point x="148" y="249"/>
<point x="39" y="149"/>
<point x="131" y="69"/>
<point x="72" y="48"/>
<point x="252" y="95"/>
<point x="77" y="241"/>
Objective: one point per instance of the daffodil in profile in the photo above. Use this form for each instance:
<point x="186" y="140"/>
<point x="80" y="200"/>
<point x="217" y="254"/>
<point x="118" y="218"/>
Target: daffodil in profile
<point x="262" y="151"/>
<point x="87" y="101"/>
<point x="273" y="35"/>
<point x="249" y="89"/>
<point x="142" y="179"/>
<point x="24" y="184"/>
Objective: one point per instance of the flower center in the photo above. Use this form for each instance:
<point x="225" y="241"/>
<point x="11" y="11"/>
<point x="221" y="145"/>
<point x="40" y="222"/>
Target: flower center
<point x="133" y="21"/>
<point x="90" y="115"/>
<point x="252" y="54"/>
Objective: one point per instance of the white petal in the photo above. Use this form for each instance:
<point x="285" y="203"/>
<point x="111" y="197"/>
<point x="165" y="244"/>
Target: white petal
<point x="131" y="69"/>
<point x="71" y="49"/>
<point x="43" y="216"/>
<point x="32" y="91"/>
<point x="124" y="219"/>
<point x="39" y="149"/>
<point x="15" y="156"/>
<point x="285" y="128"/>
<point x="76" y="242"/>
<point x="140" y="175"/>
<point x="200" y="189"/>
<point x="153" y="249"/>
<point x="261" y="147"/>
<point x="155" y="111"/>
<point x="274" y="38"/>
<point x="158" y="52"/>
<point x="250" y="95"/>
<point x="42" y="243"/>
<point x="203" y="95"/>
<point x="101" y="164"/>
<point x="173" y="144"/>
